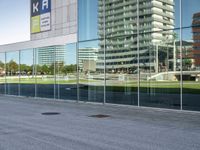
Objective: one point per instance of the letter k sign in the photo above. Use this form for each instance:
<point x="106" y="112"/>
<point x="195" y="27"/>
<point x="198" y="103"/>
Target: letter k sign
<point x="35" y="7"/>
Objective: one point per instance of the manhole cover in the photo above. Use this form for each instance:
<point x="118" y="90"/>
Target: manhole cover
<point x="99" y="116"/>
<point x="50" y="113"/>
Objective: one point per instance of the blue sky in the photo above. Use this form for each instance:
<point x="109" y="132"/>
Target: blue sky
<point x="15" y="19"/>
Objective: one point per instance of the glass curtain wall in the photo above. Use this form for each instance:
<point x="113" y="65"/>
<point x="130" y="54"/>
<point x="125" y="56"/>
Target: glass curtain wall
<point x="45" y="71"/>
<point x="158" y="40"/>
<point x="66" y="73"/>
<point x="12" y="73"/>
<point x="91" y="79"/>
<point x="27" y="78"/>
<point x="2" y="73"/>
<point x="159" y="76"/>
<point x="118" y="23"/>
<point x="191" y="54"/>
<point x="128" y="52"/>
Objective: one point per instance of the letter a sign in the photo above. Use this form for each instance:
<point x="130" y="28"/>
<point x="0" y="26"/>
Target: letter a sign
<point x="40" y="15"/>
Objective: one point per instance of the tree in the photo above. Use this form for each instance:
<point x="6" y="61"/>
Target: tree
<point x="187" y="63"/>
<point x="2" y="64"/>
<point x="25" y="68"/>
<point x="12" y="67"/>
<point x="69" y="69"/>
<point x="44" y="69"/>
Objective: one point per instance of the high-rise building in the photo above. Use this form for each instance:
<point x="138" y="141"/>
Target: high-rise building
<point x="196" y="38"/>
<point x="156" y="24"/>
<point x="87" y="58"/>
<point x="49" y="55"/>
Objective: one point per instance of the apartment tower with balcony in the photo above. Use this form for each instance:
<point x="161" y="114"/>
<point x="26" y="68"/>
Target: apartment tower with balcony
<point x="156" y="24"/>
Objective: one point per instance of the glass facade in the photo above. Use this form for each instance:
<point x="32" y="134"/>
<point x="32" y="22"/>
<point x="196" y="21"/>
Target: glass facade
<point x="12" y="73"/>
<point x="131" y="52"/>
<point x="66" y="74"/>
<point x="27" y="77"/>
<point x="2" y="74"/>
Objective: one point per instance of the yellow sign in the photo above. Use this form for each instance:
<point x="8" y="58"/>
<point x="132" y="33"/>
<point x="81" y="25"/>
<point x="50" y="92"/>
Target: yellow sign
<point x="35" y="24"/>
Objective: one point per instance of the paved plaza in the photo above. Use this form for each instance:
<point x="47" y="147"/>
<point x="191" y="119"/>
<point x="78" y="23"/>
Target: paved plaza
<point x="23" y="126"/>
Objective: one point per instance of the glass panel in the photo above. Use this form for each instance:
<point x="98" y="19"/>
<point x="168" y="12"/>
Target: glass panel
<point x="176" y="13"/>
<point x="88" y="19"/>
<point x="12" y="73"/>
<point x="121" y="50"/>
<point x="66" y="74"/>
<point x="159" y="69"/>
<point x="27" y="79"/>
<point x="91" y="79"/>
<point x="2" y="73"/>
<point x="190" y="12"/>
<point x="121" y="70"/>
<point x="191" y="68"/>
<point x="158" y="41"/>
<point x="45" y="64"/>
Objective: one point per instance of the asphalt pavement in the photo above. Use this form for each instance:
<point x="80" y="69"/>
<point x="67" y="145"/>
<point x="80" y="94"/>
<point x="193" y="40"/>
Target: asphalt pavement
<point x="86" y="126"/>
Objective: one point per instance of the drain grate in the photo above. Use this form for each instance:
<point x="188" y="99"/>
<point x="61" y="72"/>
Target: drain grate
<point x="99" y="116"/>
<point x="51" y="113"/>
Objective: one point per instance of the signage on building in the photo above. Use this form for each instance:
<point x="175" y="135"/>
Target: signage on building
<point x="40" y="15"/>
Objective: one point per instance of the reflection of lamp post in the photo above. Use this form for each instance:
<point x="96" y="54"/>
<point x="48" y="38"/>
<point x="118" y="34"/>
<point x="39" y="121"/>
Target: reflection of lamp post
<point x="174" y="50"/>
<point x="167" y="59"/>
<point x="156" y="68"/>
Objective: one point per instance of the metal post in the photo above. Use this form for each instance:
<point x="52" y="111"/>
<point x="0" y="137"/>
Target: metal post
<point x="54" y="72"/>
<point x="58" y="76"/>
<point x="77" y="73"/>
<point x="77" y="61"/>
<point x="138" y="55"/>
<point x="181" y="62"/>
<point x="5" y="85"/>
<point x="19" y="77"/>
<point x="104" y="29"/>
<point x="35" y="69"/>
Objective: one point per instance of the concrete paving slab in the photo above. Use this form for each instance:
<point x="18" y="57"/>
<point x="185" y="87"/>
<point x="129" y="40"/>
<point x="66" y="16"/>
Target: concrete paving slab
<point x="23" y="127"/>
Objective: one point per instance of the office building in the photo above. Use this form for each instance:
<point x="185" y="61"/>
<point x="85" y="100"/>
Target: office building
<point x="87" y="58"/>
<point x="49" y="55"/>
<point x="124" y="52"/>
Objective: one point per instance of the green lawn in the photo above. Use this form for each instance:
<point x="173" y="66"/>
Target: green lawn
<point x="42" y="81"/>
<point x="145" y="86"/>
